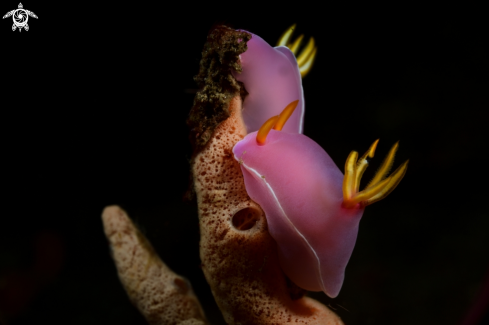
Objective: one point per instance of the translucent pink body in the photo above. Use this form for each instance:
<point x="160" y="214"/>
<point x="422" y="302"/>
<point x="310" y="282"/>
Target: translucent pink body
<point x="300" y="189"/>
<point x="273" y="80"/>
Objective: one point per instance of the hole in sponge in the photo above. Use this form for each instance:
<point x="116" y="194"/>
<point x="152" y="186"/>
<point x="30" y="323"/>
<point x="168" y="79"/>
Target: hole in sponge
<point x="246" y="218"/>
<point x="181" y="285"/>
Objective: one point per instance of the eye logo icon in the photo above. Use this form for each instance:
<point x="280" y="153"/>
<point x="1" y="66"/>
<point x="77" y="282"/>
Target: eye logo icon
<point x="20" y="17"/>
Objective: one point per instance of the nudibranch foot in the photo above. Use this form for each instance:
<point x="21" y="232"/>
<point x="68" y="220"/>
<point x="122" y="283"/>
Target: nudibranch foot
<point x="305" y="60"/>
<point x="379" y="187"/>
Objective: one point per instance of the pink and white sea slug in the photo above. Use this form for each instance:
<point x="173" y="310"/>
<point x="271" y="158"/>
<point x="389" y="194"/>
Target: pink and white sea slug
<point x="312" y="210"/>
<point x="272" y="78"/>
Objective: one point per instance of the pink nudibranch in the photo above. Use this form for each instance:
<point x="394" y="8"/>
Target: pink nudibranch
<point x="312" y="210"/>
<point x="300" y="189"/>
<point x="272" y="78"/>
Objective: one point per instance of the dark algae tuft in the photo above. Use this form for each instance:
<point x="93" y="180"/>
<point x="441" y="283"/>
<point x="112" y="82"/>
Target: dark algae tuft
<point x="217" y="85"/>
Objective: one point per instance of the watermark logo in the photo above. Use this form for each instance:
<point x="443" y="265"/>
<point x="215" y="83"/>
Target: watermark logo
<point x="20" y="17"/>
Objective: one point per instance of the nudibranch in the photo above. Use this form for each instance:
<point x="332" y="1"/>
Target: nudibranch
<point x="272" y="77"/>
<point x="312" y="209"/>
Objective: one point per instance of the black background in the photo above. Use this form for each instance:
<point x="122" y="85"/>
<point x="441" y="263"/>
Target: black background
<point x="94" y="99"/>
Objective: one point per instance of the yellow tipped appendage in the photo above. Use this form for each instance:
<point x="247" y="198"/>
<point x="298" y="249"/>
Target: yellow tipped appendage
<point x="261" y="135"/>
<point x="379" y="187"/>
<point x="305" y="60"/>
<point x="284" y="116"/>
<point x="275" y="122"/>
